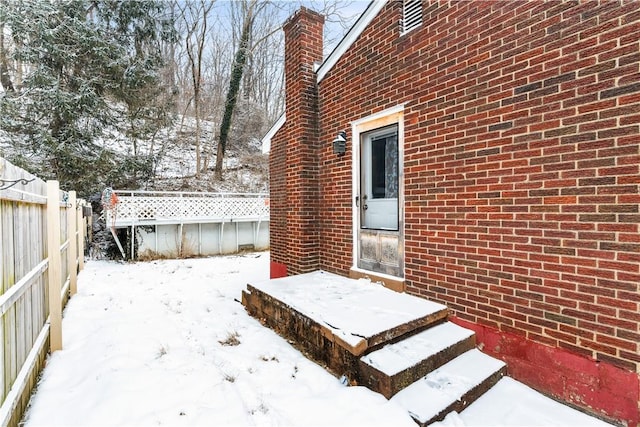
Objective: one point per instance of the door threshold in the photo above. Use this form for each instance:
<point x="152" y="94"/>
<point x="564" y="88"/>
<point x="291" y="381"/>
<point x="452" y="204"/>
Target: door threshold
<point x="394" y="283"/>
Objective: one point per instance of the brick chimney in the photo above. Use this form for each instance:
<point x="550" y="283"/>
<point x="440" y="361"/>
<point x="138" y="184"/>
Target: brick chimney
<point x="293" y="159"/>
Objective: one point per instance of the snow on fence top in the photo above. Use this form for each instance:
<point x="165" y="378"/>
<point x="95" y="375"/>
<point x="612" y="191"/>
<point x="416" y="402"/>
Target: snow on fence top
<point x="126" y="208"/>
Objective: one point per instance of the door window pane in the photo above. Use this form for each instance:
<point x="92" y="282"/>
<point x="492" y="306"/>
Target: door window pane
<point x="378" y="173"/>
<point x="384" y="167"/>
<point x="391" y="167"/>
<point x="379" y="180"/>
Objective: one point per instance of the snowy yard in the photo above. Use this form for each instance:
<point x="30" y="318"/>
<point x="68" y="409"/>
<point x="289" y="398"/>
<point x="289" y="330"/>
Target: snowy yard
<point x="168" y="343"/>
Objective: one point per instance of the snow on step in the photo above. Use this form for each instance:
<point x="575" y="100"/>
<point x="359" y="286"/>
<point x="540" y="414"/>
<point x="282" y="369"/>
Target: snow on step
<point x="431" y="395"/>
<point x="395" y="358"/>
<point x="352" y="309"/>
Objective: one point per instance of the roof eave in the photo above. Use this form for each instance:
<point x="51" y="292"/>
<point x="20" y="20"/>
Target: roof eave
<point x="367" y="16"/>
<point x="266" y="139"/>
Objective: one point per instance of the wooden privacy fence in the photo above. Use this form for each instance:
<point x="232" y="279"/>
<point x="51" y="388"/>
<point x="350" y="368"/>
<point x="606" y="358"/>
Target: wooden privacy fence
<point x="42" y="233"/>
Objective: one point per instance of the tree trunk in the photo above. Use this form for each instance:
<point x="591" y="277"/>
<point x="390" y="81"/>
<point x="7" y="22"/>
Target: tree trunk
<point x="5" y="78"/>
<point x="198" y="133"/>
<point x="234" y="88"/>
<point x="196" y="18"/>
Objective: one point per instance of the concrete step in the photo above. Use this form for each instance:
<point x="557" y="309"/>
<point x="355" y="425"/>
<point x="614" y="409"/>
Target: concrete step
<point x="394" y="343"/>
<point x="336" y="320"/>
<point x="396" y="366"/>
<point x="452" y="387"/>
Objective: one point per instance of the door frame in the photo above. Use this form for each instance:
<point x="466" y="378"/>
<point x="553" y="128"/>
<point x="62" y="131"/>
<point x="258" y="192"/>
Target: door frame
<point x="388" y="117"/>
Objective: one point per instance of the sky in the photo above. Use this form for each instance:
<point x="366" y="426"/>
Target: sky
<point x="348" y="10"/>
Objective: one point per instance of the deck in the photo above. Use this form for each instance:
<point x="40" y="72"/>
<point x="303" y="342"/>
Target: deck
<point x="170" y="224"/>
<point x="134" y="208"/>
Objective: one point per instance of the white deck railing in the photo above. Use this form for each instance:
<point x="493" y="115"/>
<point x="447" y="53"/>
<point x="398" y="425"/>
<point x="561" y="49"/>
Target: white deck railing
<point x="148" y="207"/>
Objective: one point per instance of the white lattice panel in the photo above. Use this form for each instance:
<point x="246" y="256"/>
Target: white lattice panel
<point x="186" y="207"/>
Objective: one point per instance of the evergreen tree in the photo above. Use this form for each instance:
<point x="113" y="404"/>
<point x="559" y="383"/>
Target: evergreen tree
<point x="89" y="66"/>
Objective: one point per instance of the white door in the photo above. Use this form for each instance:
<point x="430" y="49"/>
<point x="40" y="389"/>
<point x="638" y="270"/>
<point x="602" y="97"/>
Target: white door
<point x="379" y="239"/>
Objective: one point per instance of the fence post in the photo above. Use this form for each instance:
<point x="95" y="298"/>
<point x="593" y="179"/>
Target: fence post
<point x="81" y="226"/>
<point x="55" y="267"/>
<point x="72" y="252"/>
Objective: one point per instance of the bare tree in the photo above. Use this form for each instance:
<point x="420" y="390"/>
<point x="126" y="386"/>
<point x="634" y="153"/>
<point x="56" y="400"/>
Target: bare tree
<point x="249" y="9"/>
<point x="231" y="58"/>
<point x="264" y="78"/>
<point x="195" y="15"/>
<point x="255" y="64"/>
<point x="217" y="65"/>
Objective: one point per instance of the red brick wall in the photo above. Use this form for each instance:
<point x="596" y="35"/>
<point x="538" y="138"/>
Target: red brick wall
<point x="522" y="177"/>
<point x="293" y="159"/>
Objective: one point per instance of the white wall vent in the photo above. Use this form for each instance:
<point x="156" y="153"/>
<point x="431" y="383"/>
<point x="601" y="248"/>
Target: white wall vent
<point x="411" y="15"/>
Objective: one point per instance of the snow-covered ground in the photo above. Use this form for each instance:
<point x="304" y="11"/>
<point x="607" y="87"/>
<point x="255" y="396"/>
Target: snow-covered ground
<point x="168" y="343"/>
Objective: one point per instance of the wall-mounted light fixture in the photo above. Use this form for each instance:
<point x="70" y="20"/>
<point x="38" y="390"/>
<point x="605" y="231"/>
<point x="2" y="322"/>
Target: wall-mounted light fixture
<point x="340" y="143"/>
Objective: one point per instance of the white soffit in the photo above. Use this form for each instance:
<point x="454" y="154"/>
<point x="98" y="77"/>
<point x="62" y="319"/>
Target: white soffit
<point x="367" y="16"/>
<point x="266" y="139"/>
